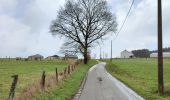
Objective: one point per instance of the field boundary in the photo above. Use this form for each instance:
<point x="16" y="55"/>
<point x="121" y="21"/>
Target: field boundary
<point x="45" y="82"/>
<point x="78" y="94"/>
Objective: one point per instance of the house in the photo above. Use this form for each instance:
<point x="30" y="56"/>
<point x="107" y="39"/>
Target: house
<point x="18" y="58"/>
<point x="35" y="57"/>
<point x="126" y="54"/>
<point x="69" y="56"/>
<point x="53" y="57"/>
<point x="165" y="55"/>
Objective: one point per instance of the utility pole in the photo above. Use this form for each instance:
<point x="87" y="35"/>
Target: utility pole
<point x="111" y="52"/>
<point x="160" y="56"/>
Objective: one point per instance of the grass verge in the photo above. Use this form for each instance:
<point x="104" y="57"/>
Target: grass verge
<point x="29" y="72"/>
<point x="67" y="88"/>
<point x="141" y="76"/>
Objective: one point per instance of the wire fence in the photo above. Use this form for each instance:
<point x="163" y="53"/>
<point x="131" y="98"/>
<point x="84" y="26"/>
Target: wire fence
<point x="24" y="87"/>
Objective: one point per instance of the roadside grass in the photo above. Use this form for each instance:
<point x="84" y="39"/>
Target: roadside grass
<point x="141" y="76"/>
<point x="28" y="71"/>
<point x="66" y="89"/>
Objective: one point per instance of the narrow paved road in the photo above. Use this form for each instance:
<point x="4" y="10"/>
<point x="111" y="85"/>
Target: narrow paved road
<point x="100" y="85"/>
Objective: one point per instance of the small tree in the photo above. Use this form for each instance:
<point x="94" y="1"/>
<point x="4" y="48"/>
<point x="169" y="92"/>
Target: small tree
<point x="83" y="23"/>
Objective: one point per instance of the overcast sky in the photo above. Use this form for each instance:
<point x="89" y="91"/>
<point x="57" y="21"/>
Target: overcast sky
<point x="24" y="27"/>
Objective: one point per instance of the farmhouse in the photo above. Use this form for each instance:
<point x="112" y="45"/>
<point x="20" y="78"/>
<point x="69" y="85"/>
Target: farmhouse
<point x="69" y="56"/>
<point x="18" y="58"/>
<point x="53" y="57"/>
<point x="126" y="54"/>
<point x="35" y="57"/>
<point x="165" y="55"/>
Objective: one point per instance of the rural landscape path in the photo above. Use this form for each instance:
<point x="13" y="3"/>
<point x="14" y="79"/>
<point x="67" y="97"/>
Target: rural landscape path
<point x="100" y="85"/>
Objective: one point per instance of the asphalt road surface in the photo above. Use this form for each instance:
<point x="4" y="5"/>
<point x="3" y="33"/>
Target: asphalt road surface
<point x="100" y="85"/>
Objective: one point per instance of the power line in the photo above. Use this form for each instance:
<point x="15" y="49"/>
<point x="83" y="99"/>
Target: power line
<point x="124" y="20"/>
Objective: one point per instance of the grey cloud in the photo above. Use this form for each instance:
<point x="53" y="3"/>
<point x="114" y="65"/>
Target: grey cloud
<point x="29" y="33"/>
<point x="7" y="6"/>
<point x="140" y="29"/>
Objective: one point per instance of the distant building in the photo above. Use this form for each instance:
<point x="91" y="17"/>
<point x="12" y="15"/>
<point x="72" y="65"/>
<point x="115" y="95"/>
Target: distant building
<point x="18" y="58"/>
<point x="53" y="57"/>
<point x="165" y="55"/>
<point x="69" y="56"/>
<point x="126" y="54"/>
<point x="35" y="57"/>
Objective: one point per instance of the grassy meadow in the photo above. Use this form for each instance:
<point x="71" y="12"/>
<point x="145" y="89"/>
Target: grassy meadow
<point x="141" y="76"/>
<point x="28" y="71"/>
<point x="66" y="89"/>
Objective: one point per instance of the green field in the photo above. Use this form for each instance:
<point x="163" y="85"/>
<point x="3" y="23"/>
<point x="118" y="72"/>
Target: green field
<point x="141" y="75"/>
<point x="67" y="88"/>
<point x="28" y="71"/>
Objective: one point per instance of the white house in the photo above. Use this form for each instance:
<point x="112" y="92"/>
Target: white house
<point x="126" y="54"/>
<point x="165" y="55"/>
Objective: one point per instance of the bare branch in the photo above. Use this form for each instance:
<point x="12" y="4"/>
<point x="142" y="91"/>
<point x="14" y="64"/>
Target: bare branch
<point x="84" y="22"/>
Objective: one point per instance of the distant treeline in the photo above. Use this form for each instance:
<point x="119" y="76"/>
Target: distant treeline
<point x="141" y="53"/>
<point x="166" y="49"/>
<point x="145" y="53"/>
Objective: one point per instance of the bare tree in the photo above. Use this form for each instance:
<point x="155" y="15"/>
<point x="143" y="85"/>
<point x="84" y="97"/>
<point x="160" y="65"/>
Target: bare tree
<point x="83" y="23"/>
<point x="70" y="46"/>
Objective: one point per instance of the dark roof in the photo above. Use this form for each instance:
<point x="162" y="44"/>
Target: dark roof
<point x="36" y="56"/>
<point x="55" y="56"/>
<point x="71" y="56"/>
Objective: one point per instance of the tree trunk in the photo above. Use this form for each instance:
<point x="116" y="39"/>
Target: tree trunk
<point x="85" y="56"/>
<point x="85" y="60"/>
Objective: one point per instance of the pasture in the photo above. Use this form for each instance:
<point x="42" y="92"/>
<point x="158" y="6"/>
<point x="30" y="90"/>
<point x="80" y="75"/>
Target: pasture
<point x="141" y="76"/>
<point x="28" y="71"/>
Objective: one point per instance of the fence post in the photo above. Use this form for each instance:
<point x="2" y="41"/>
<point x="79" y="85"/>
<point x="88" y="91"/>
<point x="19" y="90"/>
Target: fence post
<point x="13" y="86"/>
<point x="68" y="69"/>
<point x="43" y="79"/>
<point x="56" y="75"/>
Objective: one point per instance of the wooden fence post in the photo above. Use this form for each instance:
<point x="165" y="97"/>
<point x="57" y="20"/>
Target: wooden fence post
<point x="68" y="69"/>
<point x="43" y="79"/>
<point x="13" y="86"/>
<point x="56" y="75"/>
